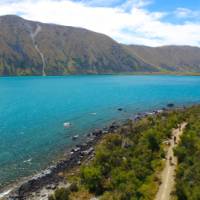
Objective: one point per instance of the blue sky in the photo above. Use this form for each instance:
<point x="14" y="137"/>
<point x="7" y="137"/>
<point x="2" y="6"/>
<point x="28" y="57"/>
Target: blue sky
<point x="145" y="22"/>
<point x="170" y="5"/>
<point x="162" y="5"/>
<point x="166" y="6"/>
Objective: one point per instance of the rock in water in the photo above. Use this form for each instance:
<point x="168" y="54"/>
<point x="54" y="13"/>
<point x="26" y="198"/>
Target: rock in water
<point x="75" y="137"/>
<point x="67" y="124"/>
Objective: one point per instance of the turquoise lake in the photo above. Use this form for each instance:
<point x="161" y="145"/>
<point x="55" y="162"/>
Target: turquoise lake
<point x="33" y="110"/>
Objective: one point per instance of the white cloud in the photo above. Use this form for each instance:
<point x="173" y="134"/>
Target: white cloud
<point x="137" y="26"/>
<point x="136" y="3"/>
<point x="186" y="13"/>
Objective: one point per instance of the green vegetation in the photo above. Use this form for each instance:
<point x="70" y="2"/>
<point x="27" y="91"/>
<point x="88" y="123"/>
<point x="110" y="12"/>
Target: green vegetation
<point x="188" y="153"/>
<point x="128" y="162"/>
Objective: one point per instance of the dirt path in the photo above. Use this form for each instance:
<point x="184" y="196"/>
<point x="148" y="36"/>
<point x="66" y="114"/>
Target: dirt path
<point x="168" y="174"/>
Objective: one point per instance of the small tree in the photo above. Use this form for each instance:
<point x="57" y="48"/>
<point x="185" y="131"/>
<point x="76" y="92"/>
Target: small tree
<point x="153" y="141"/>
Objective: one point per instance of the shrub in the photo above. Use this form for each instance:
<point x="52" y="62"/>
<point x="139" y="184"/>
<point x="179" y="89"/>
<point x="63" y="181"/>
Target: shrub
<point x="91" y="177"/>
<point x="73" y="187"/>
<point x="60" y="194"/>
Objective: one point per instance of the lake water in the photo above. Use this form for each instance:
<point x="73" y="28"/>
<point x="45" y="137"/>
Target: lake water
<point x="33" y="110"/>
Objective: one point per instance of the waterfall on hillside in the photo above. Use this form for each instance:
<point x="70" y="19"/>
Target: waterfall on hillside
<point x="33" y="36"/>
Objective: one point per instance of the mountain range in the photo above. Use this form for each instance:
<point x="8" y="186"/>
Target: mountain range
<point x="34" y="48"/>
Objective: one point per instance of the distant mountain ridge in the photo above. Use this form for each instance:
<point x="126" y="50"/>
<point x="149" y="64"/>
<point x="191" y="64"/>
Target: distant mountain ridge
<point x="34" y="48"/>
<point x="171" y="58"/>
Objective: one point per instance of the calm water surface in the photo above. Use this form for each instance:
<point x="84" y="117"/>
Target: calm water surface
<point x="33" y="110"/>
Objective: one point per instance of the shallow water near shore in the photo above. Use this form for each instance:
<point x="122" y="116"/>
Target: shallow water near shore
<point x="33" y="110"/>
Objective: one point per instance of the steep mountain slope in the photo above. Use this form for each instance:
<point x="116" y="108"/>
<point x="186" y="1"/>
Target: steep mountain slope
<point x="33" y="48"/>
<point x="172" y="58"/>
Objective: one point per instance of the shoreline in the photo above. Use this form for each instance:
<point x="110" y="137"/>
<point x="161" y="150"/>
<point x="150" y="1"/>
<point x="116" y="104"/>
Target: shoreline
<point x="50" y="177"/>
<point x="71" y="158"/>
<point x="115" y="74"/>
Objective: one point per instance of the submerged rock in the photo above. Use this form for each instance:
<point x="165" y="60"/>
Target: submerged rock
<point x="170" y="105"/>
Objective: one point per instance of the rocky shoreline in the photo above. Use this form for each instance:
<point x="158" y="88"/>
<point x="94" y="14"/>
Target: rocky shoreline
<point x="50" y="178"/>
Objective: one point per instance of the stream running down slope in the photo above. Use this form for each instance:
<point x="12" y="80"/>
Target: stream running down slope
<point x="33" y="36"/>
